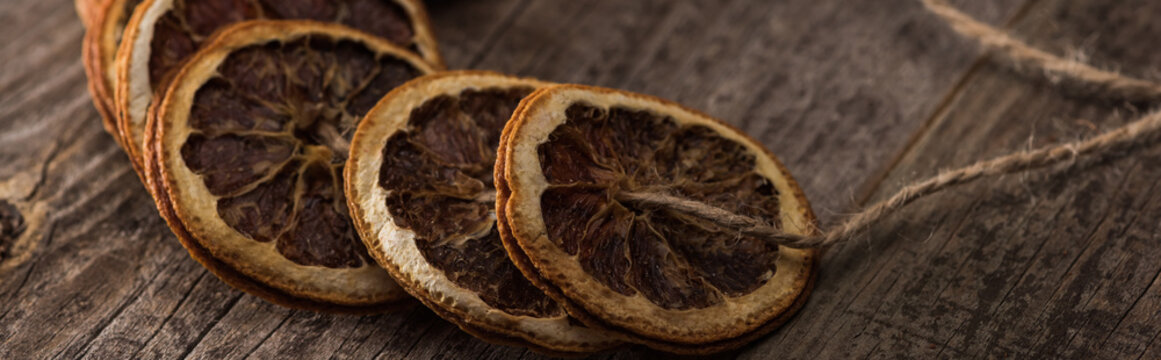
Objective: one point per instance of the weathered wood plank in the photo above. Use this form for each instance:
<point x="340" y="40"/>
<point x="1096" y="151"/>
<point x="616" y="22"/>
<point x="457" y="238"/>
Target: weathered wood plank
<point x="106" y="280"/>
<point x="1056" y="263"/>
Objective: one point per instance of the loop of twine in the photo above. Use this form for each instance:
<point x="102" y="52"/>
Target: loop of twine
<point x="1015" y="54"/>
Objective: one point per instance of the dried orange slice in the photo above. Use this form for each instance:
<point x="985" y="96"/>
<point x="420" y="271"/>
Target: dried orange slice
<point x="419" y="185"/>
<point x="246" y="155"/>
<point x="98" y="53"/>
<point x="662" y="278"/>
<point x="163" y="33"/>
<point x="89" y="10"/>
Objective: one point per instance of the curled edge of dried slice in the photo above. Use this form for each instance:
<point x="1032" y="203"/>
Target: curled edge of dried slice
<point x="99" y="49"/>
<point x="165" y="185"/>
<point x="523" y="232"/>
<point x="89" y="10"/>
<point x="394" y="246"/>
<point x="134" y="97"/>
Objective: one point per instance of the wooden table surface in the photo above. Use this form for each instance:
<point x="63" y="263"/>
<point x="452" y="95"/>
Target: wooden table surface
<point x="856" y="97"/>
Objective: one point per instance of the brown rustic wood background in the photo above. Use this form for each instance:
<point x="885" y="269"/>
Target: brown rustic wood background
<point x="857" y="97"/>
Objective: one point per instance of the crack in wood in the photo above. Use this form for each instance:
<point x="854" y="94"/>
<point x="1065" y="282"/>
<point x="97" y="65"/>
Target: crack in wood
<point x="875" y="184"/>
<point x="43" y="173"/>
<point x="169" y="315"/>
<point x="49" y="233"/>
<point x="259" y="344"/>
<point x="959" y="269"/>
<point x="209" y="326"/>
<point x="1156" y="281"/>
<point x="1116" y="238"/>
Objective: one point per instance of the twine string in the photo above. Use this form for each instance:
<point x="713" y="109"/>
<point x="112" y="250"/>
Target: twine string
<point x="1015" y="54"/>
<point x="1027" y="60"/>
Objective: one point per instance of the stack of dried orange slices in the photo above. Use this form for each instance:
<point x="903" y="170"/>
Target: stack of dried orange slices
<point x="132" y="47"/>
<point x="419" y="185"/>
<point x="249" y="115"/>
<point x="524" y="231"/>
<point x="309" y="153"/>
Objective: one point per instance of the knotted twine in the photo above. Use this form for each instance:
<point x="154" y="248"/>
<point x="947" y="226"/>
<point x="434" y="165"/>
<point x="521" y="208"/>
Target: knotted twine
<point x="1007" y="51"/>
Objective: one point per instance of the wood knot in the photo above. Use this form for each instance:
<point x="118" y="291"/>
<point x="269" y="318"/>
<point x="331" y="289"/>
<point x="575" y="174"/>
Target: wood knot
<point x="11" y="227"/>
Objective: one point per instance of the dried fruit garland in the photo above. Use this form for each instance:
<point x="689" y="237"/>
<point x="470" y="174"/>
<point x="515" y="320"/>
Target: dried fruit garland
<point x="426" y="200"/>
<point x="563" y="218"/>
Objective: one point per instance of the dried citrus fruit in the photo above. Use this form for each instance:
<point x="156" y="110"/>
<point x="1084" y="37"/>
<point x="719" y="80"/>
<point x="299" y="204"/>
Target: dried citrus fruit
<point x="88" y="10"/>
<point x="419" y="185"/>
<point x="570" y="156"/>
<point x="163" y="33"/>
<point x="247" y="150"/>
<point x="99" y="49"/>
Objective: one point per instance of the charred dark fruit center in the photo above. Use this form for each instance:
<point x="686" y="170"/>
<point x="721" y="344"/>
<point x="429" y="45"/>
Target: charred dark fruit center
<point x="438" y="177"/>
<point x="674" y="260"/>
<point x="183" y="29"/>
<point x="270" y="134"/>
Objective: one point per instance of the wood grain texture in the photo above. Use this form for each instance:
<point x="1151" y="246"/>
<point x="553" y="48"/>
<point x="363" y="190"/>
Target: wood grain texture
<point x="1058" y="263"/>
